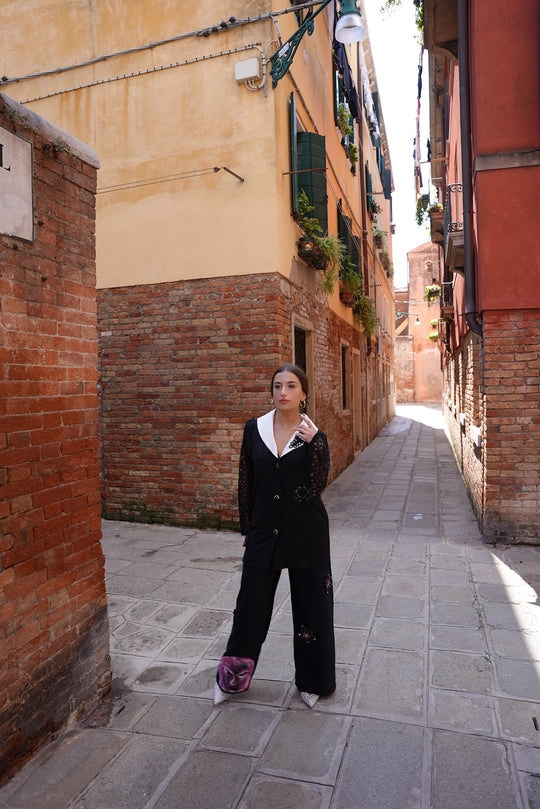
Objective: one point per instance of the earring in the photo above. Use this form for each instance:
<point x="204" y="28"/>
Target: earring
<point x="303" y="404"/>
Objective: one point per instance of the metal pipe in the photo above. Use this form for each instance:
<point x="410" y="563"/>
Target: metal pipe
<point x="469" y="269"/>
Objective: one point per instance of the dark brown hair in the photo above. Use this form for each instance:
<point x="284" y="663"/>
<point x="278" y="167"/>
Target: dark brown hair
<point x="299" y="373"/>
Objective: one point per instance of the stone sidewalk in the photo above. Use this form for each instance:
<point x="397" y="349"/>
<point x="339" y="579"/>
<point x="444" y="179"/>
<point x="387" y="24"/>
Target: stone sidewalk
<point x="438" y="650"/>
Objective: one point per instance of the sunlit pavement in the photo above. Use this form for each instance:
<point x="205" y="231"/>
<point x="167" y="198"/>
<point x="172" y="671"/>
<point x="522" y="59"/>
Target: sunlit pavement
<point x="438" y="698"/>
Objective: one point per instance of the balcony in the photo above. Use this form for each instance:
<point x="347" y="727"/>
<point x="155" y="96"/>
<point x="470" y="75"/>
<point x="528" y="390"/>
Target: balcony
<point x="436" y="219"/>
<point x="453" y="227"/>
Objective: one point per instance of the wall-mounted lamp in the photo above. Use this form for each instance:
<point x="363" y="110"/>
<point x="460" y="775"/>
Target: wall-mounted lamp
<point x="349" y="28"/>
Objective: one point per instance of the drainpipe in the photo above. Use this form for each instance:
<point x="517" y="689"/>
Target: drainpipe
<point x="466" y="167"/>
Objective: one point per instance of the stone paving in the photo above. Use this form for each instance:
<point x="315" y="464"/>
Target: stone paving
<point x="438" y="651"/>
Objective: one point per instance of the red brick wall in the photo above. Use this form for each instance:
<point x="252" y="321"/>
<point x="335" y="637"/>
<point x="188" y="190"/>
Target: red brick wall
<point x="512" y="425"/>
<point x="183" y="366"/>
<point x="53" y="625"/>
<point x="492" y="388"/>
<point x="464" y="413"/>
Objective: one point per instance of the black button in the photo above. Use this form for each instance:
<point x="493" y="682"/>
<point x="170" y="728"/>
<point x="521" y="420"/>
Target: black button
<point x="277" y="466"/>
<point x="275" y="531"/>
<point x="276" y="497"/>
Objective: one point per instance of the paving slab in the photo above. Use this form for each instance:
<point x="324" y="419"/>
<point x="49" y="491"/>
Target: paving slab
<point x="207" y="780"/>
<point x="471" y="772"/>
<point x="135" y="775"/>
<point x="307" y="745"/>
<point x="382" y="767"/>
<point x="68" y="767"/>
<point x="265" y="792"/>
<point x="392" y="683"/>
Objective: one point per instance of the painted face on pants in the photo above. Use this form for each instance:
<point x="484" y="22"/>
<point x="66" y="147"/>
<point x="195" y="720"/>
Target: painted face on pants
<point x="234" y="674"/>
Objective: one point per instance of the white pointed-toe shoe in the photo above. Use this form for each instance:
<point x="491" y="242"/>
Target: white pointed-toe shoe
<point x="219" y="695"/>
<point x="309" y="699"/>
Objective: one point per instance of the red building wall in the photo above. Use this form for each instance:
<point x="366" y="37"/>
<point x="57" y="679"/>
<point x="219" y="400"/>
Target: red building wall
<point x="505" y="88"/>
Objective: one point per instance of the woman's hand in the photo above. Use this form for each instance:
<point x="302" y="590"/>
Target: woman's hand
<point x="306" y="429"/>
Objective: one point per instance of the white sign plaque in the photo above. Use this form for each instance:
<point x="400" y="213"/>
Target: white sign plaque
<point x="16" y="203"/>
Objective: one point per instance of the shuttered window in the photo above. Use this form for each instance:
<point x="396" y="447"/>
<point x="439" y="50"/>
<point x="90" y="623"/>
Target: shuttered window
<point x="308" y="169"/>
<point x="348" y="238"/>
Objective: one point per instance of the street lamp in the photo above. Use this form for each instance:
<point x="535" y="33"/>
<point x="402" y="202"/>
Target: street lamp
<point x="349" y="28"/>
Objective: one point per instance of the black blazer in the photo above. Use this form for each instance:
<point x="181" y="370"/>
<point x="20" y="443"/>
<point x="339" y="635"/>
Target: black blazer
<point x="282" y="515"/>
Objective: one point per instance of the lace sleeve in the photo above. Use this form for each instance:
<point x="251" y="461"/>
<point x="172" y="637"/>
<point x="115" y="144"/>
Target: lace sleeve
<point x="319" y="455"/>
<point x="244" y="484"/>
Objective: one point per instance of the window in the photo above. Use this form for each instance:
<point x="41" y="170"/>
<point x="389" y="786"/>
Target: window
<point x="352" y="242"/>
<point x="300" y="355"/>
<point x="308" y="168"/>
<point x="344" y="121"/>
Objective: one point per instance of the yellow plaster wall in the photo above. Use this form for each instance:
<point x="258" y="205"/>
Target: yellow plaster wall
<point x="177" y="121"/>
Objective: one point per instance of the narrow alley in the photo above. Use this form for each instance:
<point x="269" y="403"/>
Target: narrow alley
<point x="438" y="650"/>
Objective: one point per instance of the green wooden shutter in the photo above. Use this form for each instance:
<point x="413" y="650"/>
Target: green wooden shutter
<point x="312" y="177"/>
<point x="294" y="153"/>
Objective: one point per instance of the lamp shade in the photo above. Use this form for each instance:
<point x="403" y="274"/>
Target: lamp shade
<point x="349" y="27"/>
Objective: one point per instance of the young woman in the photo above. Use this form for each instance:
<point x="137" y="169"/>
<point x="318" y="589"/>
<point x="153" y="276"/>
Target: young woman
<point x="283" y="469"/>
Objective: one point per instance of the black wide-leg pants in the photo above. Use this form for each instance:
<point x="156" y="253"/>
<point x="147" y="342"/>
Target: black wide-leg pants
<point x="312" y="600"/>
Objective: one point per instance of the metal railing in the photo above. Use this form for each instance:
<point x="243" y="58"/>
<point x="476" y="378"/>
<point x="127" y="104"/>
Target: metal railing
<point x="453" y="212"/>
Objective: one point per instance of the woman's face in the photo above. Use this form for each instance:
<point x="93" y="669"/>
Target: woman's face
<point x="287" y="391"/>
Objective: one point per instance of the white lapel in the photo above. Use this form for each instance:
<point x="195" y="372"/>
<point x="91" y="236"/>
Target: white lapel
<point x="265" y="426"/>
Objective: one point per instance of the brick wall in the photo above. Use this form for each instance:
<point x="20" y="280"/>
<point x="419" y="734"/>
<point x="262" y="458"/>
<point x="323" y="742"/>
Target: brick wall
<point x="512" y="426"/>
<point x="54" y="635"/>
<point x="464" y="413"/>
<point x="183" y="366"/>
<point x="492" y="390"/>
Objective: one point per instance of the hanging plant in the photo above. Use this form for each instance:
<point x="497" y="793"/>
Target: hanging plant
<point x="433" y="335"/>
<point x="352" y="153"/>
<point x="386" y="262"/>
<point x="333" y="251"/>
<point x="373" y="207"/>
<point x="422" y="204"/>
<point x="432" y="293"/>
<point x="344" y="120"/>
<point x="322" y="252"/>
<point x="379" y="237"/>
<point x="365" y="313"/>
<point x="349" y="282"/>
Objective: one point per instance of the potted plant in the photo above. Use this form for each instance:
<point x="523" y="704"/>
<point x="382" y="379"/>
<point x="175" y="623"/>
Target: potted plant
<point x="322" y="252"/>
<point x="422" y="204"/>
<point x="344" y="120"/>
<point x="436" y="218"/>
<point x="373" y="207"/>
<point x="352" y="153"/>
<point x="379" y="237"/>
<point x="432" y="292"/>
<point x="365" y="313"/>
<point x="387" y="263"/>
<point x="308" y="248"/>
<point x="349" y="282"/>
<point x="333" y="250"/>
